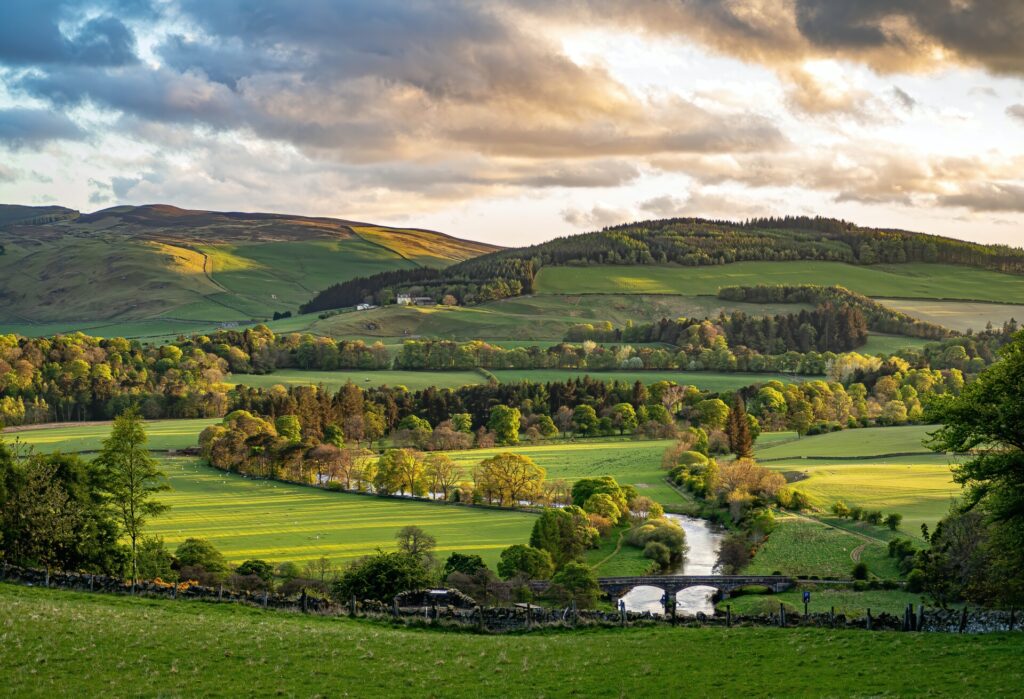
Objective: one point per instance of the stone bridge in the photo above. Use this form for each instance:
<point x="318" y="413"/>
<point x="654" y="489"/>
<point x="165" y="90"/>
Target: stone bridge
<point x="671" y="584"/>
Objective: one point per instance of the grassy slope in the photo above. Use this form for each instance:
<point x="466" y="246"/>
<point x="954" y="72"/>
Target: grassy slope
<point x="962" y="315"/>
<point x="247" y="518"/>
<point x="847" y="443"/>
<point x="800" y="546"/>
<point x="546" y="317"/>
<point x="63" y="643"/>
<point x="149" y="271"/>
<point x="916" y="280"/>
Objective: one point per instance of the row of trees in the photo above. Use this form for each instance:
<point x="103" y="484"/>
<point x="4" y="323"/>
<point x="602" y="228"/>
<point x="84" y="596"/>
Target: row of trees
<point x="827" y="328"/>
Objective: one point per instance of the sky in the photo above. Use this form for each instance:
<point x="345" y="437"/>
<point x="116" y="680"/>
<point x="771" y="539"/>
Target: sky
<point x="519" y="121"/>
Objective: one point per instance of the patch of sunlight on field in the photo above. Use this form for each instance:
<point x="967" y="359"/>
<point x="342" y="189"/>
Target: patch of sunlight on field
<point x="249" y="518"/>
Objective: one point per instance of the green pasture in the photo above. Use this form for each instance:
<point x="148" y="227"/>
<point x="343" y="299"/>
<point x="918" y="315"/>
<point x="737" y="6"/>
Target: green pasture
<point x="59" y="643"/>
<point x="913" y="280"/>
<point x="333" y="380"/>
<point x="539" y="318"/>
<point x="962" y="315"/>
<point x="919" y="488"/>
<point x="803" y="546"/>
<point x="70" y="437"/>
<point x="248" y="518"/>
<point x="629" y="461"/>
<point x="852" y="604"/>
<point x="852" y="443"/>
<point x="880" y="343"/>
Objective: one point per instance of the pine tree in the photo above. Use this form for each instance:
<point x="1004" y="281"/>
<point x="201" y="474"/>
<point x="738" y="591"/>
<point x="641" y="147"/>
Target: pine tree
<point x="131" y="478"/>
<point x="738" y="428"/>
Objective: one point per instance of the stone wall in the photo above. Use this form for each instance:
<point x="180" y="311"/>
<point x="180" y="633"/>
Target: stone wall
<point x="517" y="618"/>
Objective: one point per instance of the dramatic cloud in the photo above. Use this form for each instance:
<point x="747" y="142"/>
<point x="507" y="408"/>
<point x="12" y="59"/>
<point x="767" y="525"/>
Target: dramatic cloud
<point x="389" y="108"/>
<point x="21" y="127"/>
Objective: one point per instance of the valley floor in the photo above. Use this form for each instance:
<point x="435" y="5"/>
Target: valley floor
<point x="58" y="643"/>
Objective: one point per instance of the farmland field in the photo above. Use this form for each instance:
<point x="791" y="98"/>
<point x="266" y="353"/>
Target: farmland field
<point x="541" y="317"/>
<point x="880" y="343"/>
<point x="853" y="443"/>
<point x="333" y="380"/>
<point x="962" y="315"/>
<point x="915" y="280"/>
<point x="852" y="604"/>
<point x="248" y="518"/>
<point x="803" y="546"/>
<point x="67" y="643"/>
<point x="635" y="462"/>
<point x="163" y="434"/>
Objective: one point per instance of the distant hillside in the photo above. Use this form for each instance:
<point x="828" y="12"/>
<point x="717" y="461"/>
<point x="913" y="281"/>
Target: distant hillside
<point x="667" y="245"/>
<point x="166" y="265"/>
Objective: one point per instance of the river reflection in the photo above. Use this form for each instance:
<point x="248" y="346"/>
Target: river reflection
<point x="704" y="541"/>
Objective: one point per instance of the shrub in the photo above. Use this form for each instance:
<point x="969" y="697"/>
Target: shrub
<point x="527" y="561"/>
<point x="381" y="577"/>
<point x="840" y="509"/>
<point x="916" y="580"/>
<point x="200" y="553"/>
<point x="578" y="582"/>
<point x="893" y="520"/>
<point x="860" y="571"/>
<point x="659" y="553"/>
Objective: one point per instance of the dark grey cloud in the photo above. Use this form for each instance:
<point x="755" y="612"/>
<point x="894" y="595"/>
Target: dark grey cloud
<point x="21" y="127"/>
<point x="31" y="34"/>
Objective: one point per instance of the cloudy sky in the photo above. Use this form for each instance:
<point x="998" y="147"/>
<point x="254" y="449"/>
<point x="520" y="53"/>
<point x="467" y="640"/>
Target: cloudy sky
<point x="515" y="122"/>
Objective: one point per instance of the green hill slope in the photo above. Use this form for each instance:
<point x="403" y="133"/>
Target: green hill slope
<point x="158" y="268"/>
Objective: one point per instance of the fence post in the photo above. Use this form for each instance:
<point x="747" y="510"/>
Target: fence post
<point x="305" y="601"/>
<point x="832" y="616"/>
<point x="266" y="595"/>
<point x="480" y="617"/>
<point x="92" y="582"/>
<point x="352" y="606"/>
<point x="220" y="592"/>
<point x="174" y="590"/>
<point x="575" y="614"/>
<point x="920" y="617"/>
<point x="782" y="614"/>
<point x="728" y="616"/>
<point x="394" y="607"/>
<point x="869" y="619"/>
<point x="963" y="621"/>
<point x="622" y="615"/>
<point x="1013" y="615"/>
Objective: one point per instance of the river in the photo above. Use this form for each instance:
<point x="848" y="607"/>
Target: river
<point x="703" y="540"/>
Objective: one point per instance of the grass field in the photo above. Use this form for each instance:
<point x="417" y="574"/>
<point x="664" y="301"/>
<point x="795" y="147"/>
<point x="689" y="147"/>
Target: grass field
<point x="852" y="443"/>
<point x="962" y="315"/>
<point x="60" y="643"/>
<point x="880" y="343"/>
<point x="333" y="380"/>
<point x="914" y="280"/>
<point x="163" y="434"/>
<point x="849" y="602"/>
<point x="634" y="462"/>
<point x="247" y="518"/>
<point x="802" y="546"/>
<point x="542" y="317"/>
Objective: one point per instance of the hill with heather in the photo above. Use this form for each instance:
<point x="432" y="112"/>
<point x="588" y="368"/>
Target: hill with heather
<point x="159" y="267"/>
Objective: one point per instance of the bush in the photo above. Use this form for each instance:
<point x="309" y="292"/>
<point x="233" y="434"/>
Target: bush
<point x="381" y="577"/>
<point x="200" y="553"/>
<point x="526" y="561"/>
<point x="893" y="520"/>
<point x="860" y="571"/>
<point x="916" y="580"/>
<point x="659" y="553"/>
<point x="578" y="582"/>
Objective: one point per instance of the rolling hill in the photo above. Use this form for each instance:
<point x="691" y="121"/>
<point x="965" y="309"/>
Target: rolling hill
<point x="156" y="269"/>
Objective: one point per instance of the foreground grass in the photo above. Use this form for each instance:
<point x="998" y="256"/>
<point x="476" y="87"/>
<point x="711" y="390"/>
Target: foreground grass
<point x="59" y="643"/>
